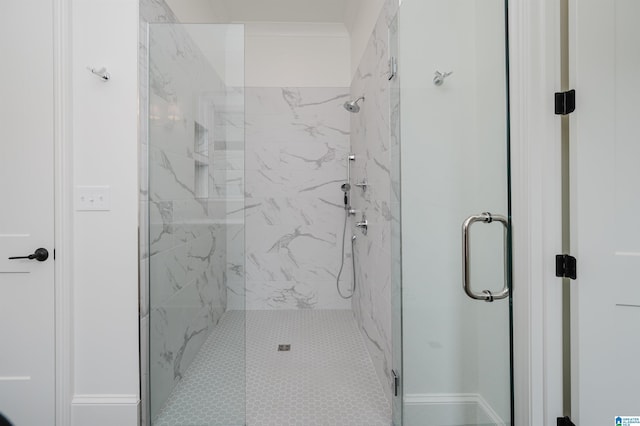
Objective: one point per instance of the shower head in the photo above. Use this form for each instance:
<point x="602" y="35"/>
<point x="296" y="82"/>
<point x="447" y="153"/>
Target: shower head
<point x="346" y="187"/>
<point x="353" y="106"/>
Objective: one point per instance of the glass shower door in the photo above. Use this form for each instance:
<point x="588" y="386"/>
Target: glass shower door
<point x="454" y="184"/>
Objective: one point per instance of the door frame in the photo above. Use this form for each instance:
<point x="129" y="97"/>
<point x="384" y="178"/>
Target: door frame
<point x="63" y="211"/>
<point x="534" y="59"/>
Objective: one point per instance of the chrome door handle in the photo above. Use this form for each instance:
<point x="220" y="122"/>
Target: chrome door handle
<point x="486" y="295"/>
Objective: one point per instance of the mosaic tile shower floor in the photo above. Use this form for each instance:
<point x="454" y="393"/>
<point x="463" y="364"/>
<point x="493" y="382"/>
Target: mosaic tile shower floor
<point x="325" y="379"/>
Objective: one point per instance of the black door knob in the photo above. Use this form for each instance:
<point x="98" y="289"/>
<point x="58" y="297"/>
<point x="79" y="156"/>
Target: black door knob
<point x="40" y="255"/>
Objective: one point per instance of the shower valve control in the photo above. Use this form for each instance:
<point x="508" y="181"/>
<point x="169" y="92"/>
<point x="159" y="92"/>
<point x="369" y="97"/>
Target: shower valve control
<point x="363" y="224"/>
<point x="362" y="185"/>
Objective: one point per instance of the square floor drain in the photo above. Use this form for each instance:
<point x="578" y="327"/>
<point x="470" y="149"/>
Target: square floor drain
<point x="284" y="348"/>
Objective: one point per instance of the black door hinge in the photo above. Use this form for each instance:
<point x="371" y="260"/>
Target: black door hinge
<point x="565" y="421"/>
<point x="566" y="266"/>
<point x="565" y="102"/>
<point x="396" y="382"/>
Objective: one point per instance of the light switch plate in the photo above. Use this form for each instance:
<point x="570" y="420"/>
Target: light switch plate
<point x="93" y="198"/>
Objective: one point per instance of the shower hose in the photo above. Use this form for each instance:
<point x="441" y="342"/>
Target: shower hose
<point x="353" y="259"/>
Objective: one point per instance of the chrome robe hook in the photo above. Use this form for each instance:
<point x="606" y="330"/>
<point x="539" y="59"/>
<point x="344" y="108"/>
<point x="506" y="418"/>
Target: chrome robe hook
<point x="439" y="77"/>
<point x="101" y="72"/>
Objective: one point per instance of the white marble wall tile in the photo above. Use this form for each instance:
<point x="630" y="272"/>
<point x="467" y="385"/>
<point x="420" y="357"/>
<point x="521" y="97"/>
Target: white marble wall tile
<point x="168" y="274"/>
<point x="235" y="248"/>
<point x="178" y="329"/>
<point x="307" y="211"/>
<point x="192" y="219"/>
<point x="203" y="253"/>
<point x="235" y="266"/>
<point x="274" y="128"/>
<point x="236" y="295"/>
<point x="298" y="155"/>
<point x="172" y="176"/>
<point x="160" y="226"/>
<point x="295" y="114"/>
<point x="294" y="184"/>
<point x="371" y="142"/>
<point x="297" y="145"/>
<point x="156" y="11"/>
<point x="297" y="102"/>
<point x="228" y="160"/>
<point x="265" y="295"/>
<point x="286" y="253"/>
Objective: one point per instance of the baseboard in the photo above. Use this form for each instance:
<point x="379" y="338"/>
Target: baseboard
<point x="105" y="410"/>
<point x="461" y="408"/>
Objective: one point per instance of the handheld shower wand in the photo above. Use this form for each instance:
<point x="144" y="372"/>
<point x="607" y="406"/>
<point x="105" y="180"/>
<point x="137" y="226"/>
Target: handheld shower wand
<point x="346" y="187"/>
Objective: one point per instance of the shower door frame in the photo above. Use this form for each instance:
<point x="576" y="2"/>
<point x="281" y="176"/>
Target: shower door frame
<point x="536" y="179"/>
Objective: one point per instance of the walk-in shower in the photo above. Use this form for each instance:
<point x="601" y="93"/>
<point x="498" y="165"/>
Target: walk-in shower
<point x="247" y="196"/>
<point x="244" y="237"/>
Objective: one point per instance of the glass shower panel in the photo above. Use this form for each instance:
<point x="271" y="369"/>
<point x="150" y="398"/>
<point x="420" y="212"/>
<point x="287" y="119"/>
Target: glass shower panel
<point x="396" y="229"/>
<point x="196" y="224"/>
<point x="453" y="164"/>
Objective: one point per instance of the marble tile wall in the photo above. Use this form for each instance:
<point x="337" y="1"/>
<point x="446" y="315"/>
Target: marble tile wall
<point x="297" y="142"/>
<point x="190" y="145"/>
<point x="371" y="143"/>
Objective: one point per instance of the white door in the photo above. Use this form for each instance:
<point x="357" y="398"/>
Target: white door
<point x="605" y="231"/>
<point x="26" y="212"/>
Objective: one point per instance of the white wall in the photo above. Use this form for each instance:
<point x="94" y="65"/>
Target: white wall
<point x="294" y="54"/>
<point x="105" y="260"/>
<point x="297" y="55"/>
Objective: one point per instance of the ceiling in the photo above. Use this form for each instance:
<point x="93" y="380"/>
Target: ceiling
<point x="291" y="10"/>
